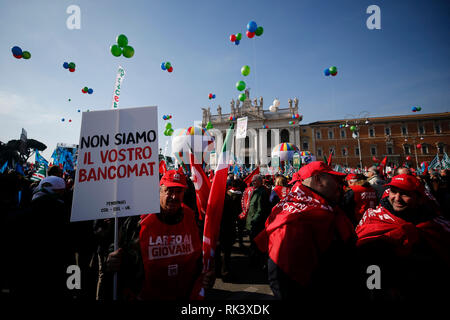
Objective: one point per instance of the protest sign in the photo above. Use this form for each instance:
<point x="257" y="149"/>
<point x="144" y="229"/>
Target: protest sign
<point x="241" y="128"/>
<point x="117" y="174"/>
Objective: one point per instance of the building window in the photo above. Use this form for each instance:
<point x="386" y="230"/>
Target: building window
<point x="357" y="151"/>
<point x="390" y="150"/>
<point x="387" y="131"/>
<point x="304" y="130"/>
<point x="407" y="149"/>
<point x="425" y="149"/>
<point x="247" y="142"/>
<point x="343" y="134"/>
<point x="373" y="151"/>
<point x="437" y="128"/>
<point x="319" y="152"/>
<point x="404" y="130"/>
<point x="421" y="130"/>
<point x="344" y="151"/>
<point x="305" y="145"/>
<point x="371" y="132"/>
<point x="331" y="150"/>
<point x="440" y="147"/>
<point x="330" y="134"/>
<point x="318" y="135"/>
<point x="284" y="135"/>
<point x="269" y="139"/>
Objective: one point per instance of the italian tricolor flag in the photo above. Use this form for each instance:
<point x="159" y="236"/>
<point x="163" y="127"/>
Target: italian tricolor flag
<point x="39" y="174"/>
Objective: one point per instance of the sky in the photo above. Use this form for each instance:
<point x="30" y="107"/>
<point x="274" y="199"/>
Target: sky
<point x="384" y="72"/>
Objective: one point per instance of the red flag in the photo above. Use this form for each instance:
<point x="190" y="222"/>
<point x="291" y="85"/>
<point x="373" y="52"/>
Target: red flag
<point x="329" y="158"/>
<point x="162" y="167"/>
<point x="214" y="210"/>
<point x="383" y="166"/>
<point x="248" y="179"/>
<point x="202" y="186"/>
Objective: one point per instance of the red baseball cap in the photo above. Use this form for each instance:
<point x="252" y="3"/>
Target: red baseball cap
<point x="316" y="167"/>
<point x="173" y="178"/>
<point x="351" y="176"/>
<point x="406" y="182"/>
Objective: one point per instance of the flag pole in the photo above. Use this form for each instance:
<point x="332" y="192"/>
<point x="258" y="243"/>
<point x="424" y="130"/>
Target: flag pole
<point x="116" y="245"/>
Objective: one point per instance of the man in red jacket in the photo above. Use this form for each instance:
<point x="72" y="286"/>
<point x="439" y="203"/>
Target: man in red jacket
<point x="308" y="239"/>
<point x="359" y="197"/>
<point x="408" y="241"/>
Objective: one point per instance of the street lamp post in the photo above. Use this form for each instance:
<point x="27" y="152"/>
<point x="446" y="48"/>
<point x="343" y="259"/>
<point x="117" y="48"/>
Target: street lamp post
<point x="361" y="115"/>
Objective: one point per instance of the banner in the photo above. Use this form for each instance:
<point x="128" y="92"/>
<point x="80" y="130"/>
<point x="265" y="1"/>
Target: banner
<point x="275" y="161"/>
<point x="296" y="161"/>
<point x="116" y="94"/>
<point x="241" y="128"/>
<point x="117" y="173"/>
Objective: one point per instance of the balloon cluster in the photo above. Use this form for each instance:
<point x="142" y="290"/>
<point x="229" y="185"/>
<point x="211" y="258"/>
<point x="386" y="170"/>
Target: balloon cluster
<point x="122" y="47"/>
<point x="19" y="54"/>
<point x="291" y="122"/>
<point x="330" y="71"/>
<point x="232" y="118"/>
<point x="253" y="29"/>
<point x="211" y="96"/>
<point x="274" y="106"/>
<point x="297" y="116"/>
<point x="169" y="130"/>
<point x="87" y="90"/>
<point x="62" y="120"/>
<point x="69" y="65"/>
<point x="236" y="38"/>
<point x="265" y="126"/>
<point x="240" y="85"/>
<point x="209" y="125"/>
<point x="415" y="109"/>
<point x="167" y="117"/>
<point x="167" y="66"/>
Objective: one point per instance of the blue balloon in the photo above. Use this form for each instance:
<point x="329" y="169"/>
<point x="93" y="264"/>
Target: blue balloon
<point x="90" y="91"/>
<point x="214" y="96"/>
<point x="66" y="65"/>
<point x="163" y="66"/>
<point x="327" y="72"/>
<point x="237" y="42"/>
<point x="79" y="110"/>
<point x="252" y="26"/>
<point x="16" y="51"/>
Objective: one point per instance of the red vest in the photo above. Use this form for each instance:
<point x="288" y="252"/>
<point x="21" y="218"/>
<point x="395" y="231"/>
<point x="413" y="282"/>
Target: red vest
<point x="245" y="202"/>
<point x="170" y="254"/>
<point x="365" y="198"/>
<point x="281" y="191"/>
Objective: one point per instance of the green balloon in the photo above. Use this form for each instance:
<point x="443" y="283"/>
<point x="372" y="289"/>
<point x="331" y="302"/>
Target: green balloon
<point x="168" y="125"/>
<point x="116" y="50"/>
<point x="128" y="52"/>
<point x="245" y="70"/>
<point x="86" y="89"/>
<point x="240" y="85"/>
<point x="242" y="96"/>
<point x="259" y="31"/>
<point x="332" y="70"/>
<point x="71" y="65"/>
<point x="26" y="55"/>
<point x="168" y="65"/>
<point x="352" y="128"/>
<point x="122" y="40"/>
<point x="418" y="108"/>
<point x="238" y="36"/>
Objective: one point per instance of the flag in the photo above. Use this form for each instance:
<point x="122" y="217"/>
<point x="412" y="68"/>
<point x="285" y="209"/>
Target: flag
<point x="214" y="210"/>
<point x="445" y="163"/>
<point x="329" y="159"/>
<point x="162" y="167"/>
<point x="5" y="166"/>
<point x="202" y="186"/>
<point x="424" y="168"/>
<point x="435" y="163"/>
<point x="19" y="169"/>
<point x="40" y="159"/>
<point x="248" y="179"/>
<point x="382" y="166"/>
<point x="40" y="174"/>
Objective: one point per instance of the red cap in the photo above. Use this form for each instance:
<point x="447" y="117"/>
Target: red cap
<point x="316" y="167"/>
<point x="351" y="176"/>
<point x="295" y="178"/>
<point x="173" y="178"/>
<point x="406" y="182"/>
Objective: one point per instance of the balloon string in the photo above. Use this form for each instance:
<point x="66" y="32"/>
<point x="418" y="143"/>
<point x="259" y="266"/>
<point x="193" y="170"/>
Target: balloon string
<point x="254" y="62"/>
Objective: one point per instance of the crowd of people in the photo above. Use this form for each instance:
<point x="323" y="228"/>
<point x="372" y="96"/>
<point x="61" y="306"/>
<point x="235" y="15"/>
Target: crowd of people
<point x="313" y="234"/>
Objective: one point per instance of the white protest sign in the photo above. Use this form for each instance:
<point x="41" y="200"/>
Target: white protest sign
<point x="117" y="172"/>
<point x="241" y="128"/>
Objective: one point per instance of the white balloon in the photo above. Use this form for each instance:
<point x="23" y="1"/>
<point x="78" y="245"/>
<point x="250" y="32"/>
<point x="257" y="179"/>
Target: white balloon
<point x="276" y="103"/>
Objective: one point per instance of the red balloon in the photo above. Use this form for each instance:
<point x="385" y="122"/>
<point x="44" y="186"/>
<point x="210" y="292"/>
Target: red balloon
<point x="170" y="69"/>
<point x="419" y="146"/>
<point x="233" y="38"/>
<point x="408" y="158"/>
<point x="334" y="74"/>
<point x="17" y="56"/>
<point x="71" y="70"/>
<point x="70" y="120"/>
<point x="250" y="34"/>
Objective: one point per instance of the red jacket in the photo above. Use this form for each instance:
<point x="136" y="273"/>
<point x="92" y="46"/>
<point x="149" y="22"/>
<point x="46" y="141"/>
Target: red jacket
<point x="281" y="191"/>
<point x="299" y="230"/>
<point x="365" y="198"/>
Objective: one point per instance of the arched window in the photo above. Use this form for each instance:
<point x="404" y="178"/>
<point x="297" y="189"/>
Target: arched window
<point x="284" y="135"/>
<point x="269" y="139"/>
<point x="247" y="142"/>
